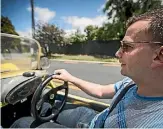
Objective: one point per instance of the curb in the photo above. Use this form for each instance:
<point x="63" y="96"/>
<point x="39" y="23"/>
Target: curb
<point x="91" y="62"/>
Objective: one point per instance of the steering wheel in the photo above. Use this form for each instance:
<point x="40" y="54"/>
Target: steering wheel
<point x="42" y="95"/>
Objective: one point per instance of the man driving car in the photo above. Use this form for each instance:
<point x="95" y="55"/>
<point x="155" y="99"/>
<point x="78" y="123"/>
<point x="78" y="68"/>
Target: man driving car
<point x="141" y="105"/>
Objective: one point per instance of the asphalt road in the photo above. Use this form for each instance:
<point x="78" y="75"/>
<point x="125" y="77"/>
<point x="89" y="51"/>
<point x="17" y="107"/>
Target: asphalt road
<point x="98" y="73"/>
<point x="94" y="72"/>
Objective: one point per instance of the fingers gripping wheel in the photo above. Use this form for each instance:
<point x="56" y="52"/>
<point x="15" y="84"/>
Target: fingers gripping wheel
<point x="39" y="98"/>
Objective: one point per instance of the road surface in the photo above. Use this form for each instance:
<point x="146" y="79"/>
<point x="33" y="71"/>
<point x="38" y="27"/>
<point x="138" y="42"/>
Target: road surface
<point x="94" y="72"/>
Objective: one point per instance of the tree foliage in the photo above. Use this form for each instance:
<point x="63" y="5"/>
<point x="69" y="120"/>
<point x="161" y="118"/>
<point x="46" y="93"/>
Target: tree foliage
<point x="121" y="10"/>
<point x="77" y="37"/>
<point x="109" y="31"/>
<point x="49" y="33"/>
<point x="7" y="26"/>
<point x="91" y="32"/>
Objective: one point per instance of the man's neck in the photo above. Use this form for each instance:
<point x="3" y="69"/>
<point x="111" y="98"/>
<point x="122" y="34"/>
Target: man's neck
<point x="150" y="88"/>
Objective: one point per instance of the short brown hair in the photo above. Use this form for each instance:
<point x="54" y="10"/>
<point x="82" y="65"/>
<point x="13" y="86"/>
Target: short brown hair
<point x="155" y="25"/>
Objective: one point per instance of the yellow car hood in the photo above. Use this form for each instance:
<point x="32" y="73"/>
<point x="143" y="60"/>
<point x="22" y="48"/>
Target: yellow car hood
<point x="14" y="73"/>
<point x="11" y="70"/>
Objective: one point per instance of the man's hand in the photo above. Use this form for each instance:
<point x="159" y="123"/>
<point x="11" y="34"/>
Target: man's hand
<point x="63" y="75"/>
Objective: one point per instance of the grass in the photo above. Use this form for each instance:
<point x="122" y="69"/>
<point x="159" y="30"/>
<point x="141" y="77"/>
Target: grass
<point x="84" y="58"/>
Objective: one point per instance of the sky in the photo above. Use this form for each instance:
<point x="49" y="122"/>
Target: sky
<point x="65" y="14"/>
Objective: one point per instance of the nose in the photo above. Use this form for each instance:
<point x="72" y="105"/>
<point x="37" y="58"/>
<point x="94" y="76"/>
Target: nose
<point x="119" y="53"/>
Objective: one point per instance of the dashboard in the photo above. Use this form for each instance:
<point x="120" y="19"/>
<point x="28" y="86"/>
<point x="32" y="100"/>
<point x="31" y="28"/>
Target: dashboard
<point x="18" y="88"/>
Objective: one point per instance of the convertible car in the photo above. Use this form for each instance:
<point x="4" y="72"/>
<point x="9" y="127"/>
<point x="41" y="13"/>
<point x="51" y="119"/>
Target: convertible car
<point x="26" y="84"/>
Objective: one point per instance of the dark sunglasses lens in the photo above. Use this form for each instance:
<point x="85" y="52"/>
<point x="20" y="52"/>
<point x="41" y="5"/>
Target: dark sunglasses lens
<point x="125" y="47"/>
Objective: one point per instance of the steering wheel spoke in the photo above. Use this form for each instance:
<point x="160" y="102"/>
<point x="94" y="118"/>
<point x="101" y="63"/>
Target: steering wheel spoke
<point x="39" y="104"/>
<point x="61" y="87"/>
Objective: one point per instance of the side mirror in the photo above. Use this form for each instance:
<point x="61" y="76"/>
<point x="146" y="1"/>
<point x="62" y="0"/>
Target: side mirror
<point x="44" y="63"/>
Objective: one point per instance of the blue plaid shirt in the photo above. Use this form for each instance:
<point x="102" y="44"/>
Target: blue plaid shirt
<point x="99" y="120"/>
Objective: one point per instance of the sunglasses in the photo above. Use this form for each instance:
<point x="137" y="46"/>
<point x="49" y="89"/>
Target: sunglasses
<point x="128" y="46"/>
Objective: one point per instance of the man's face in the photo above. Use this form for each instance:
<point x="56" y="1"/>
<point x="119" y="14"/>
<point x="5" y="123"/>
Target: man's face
<point x="136" y="58"/>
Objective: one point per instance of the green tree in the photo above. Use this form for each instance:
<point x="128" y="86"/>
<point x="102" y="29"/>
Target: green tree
<point x="107" y="32"/>
<point x="77" y="37"/>
<point x="7" y="26"/>
<point x="121" y="10"/>
<point x="8" y="43"/>
<point x="48" y="34"/>
<point x="91" y="32"/>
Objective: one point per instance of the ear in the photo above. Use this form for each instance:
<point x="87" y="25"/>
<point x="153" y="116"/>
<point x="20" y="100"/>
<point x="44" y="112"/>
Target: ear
<point x="157" y="59"/>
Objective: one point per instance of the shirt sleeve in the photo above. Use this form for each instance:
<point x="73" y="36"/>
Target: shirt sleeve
<point x="122" y="83"/>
